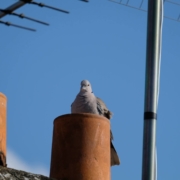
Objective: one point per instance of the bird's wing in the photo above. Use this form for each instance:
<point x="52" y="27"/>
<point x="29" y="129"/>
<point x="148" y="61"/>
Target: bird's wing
<point x="102" y="108"/>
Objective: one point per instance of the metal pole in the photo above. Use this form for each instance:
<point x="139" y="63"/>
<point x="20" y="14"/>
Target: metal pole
<point x="153" y="48"/>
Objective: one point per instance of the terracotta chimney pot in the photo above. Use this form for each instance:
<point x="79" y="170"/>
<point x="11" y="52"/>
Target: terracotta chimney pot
<point x="81" y="147"/>
<point x="3" y="102"/>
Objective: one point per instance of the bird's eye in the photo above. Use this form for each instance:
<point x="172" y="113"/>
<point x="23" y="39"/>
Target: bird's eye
<point x="88" y="84"/>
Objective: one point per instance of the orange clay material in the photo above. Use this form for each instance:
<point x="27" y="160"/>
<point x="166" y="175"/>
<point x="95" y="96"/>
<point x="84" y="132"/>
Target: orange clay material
<point x="3" y="103"/>
<point x="81" y="147"/>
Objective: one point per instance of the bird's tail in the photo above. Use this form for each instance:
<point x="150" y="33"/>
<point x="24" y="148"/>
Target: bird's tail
<point x="114" y="157"/>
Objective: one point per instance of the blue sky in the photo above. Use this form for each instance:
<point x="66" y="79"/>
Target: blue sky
<point x="103" y="42"/>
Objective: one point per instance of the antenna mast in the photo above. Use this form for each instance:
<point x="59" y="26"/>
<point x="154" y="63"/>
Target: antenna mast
<point x="153" y="56"/>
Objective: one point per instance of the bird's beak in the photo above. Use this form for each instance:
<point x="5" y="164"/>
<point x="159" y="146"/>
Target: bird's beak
<point x="83" y="87"/>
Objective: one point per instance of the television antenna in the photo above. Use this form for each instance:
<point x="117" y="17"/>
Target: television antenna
<point x="10" y="11"/>
<point x="141" y="5"/>
<point x="155" y="10"/>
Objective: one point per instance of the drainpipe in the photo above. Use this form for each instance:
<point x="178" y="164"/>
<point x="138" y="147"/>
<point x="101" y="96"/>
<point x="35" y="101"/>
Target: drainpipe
<point x="80" y="147"/>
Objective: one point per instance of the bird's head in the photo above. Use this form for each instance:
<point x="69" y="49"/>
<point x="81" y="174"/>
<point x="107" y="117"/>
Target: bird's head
<point x="86" y="86"/>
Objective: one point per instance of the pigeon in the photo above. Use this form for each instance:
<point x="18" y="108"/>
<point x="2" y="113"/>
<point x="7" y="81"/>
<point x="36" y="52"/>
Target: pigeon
<point x="87" y="102"/>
